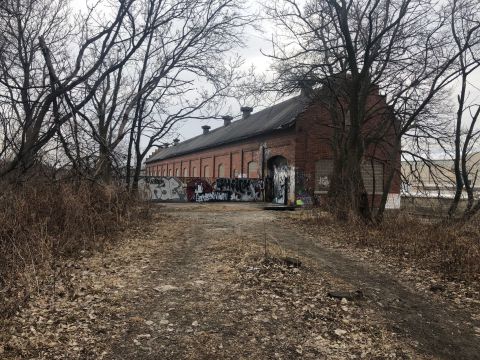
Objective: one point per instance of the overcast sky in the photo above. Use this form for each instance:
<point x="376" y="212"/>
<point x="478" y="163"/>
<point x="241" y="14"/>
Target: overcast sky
<point x="255" y="41"/>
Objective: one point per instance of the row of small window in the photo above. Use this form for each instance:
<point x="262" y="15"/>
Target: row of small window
<point x="252" y="171"/>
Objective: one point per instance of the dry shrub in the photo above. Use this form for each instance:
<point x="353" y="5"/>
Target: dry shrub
<point x="451" y="247"/>
<point x="41" y="222"/>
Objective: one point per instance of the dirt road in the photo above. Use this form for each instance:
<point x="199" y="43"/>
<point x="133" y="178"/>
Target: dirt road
<point x="197" y="285"/>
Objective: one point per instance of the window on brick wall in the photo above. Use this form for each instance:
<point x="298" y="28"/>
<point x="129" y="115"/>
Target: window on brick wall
<point x="323" y="175"/>
<point x="206" y="171"/>
<point x="372" y="176"/>
<point x="235" y="173"/>
<point x="185" y="172"/>
<point x="194" y="172"/>
<point x="177" y="172"/>
<point x="164" y="172"/>
<point x="252" y="169"/>
<point x="372" y="173"/>
<point x="221" y="170"/>
<point x="170" y="172"/>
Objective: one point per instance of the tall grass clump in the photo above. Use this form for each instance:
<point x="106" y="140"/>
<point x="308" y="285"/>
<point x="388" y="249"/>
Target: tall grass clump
<point x="450" y="247"/>
<point x="42" y="222"/>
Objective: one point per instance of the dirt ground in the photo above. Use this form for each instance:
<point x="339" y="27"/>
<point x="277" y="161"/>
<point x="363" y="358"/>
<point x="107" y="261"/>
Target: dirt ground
<point x="209" y="282"/>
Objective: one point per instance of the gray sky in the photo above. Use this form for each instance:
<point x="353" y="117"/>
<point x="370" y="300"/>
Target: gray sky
<point x="255" y="41"/>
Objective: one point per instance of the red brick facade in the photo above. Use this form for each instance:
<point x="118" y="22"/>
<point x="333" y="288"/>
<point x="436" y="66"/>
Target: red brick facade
<point x="235" y="158"/>
<point x="302" y="145"/>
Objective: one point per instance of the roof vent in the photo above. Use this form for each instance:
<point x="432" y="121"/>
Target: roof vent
<point x="206" y="129"/>
<point x="227" y="120"/>
<point x="176" y="141"/>
<point x="246" y="111"/>
<point x="306" y="87"/>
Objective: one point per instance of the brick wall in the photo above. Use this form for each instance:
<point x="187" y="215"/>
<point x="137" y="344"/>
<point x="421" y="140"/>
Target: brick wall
<point x="305" y="144"/>
<point x="234" y="157"/>
<point x="314" y="130"/>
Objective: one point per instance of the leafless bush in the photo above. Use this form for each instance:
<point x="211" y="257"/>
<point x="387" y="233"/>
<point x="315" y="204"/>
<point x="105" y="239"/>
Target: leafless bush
<point x="42" y="222"/>
<point x="449" y="247"/>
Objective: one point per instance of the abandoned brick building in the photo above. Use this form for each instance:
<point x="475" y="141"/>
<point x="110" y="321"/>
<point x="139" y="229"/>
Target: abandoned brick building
<point x="285" y="149"/>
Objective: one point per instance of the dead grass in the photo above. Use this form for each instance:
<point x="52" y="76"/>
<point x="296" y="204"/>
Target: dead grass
<point x="451" y="248"/>
<point x="41" y="222"/>
<point x="175" y="289"/>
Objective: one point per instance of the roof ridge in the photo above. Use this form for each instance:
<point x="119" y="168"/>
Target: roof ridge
<point x="274" y="117"/>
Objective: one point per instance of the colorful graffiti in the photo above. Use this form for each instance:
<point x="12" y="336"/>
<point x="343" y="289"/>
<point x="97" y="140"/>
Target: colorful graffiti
<point x="168" y="188"/>
<point x="303" y="191"/>
<point x="224" y="189"/>
<point x="197" y="189"/>
<point x="165" y="188"/>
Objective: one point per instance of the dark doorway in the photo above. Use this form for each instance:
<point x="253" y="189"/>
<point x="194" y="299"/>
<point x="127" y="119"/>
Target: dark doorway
<point x="277" y="180"/>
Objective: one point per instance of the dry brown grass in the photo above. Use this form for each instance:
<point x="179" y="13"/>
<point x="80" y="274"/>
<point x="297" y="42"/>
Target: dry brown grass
<point x="452" y="248"/>
<point x="42" y="222"/>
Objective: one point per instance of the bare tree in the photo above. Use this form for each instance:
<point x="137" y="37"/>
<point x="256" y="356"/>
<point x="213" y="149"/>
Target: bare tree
<point x="401" y="47"/>
<point x="48" y="59"/>
<point x="188" y="50"/>
<point x="466" y="137"/>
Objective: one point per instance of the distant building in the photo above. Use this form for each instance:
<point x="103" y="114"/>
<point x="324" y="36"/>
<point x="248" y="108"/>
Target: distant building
<point x="286" y="146"/>
<point x="436" y="178"/>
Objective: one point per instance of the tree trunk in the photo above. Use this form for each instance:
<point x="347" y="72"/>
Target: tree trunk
<point x="388" y="183"/>
<point x="347" y="191"/>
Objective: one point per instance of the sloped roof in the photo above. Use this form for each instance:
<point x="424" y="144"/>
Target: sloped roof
<point x="279" y="116"/>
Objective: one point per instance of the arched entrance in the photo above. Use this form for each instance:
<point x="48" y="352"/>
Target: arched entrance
<point x="278" y="180"/>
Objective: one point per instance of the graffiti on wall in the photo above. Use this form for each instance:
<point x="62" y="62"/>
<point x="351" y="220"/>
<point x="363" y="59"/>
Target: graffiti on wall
<point x="197" y="190"/>
<point x="224" y="189"/>
<point x="323" y="183"/>
<point x="166" y="188"/>
<point x="304" y="194"/>
<point x="240" y="189"/>
<point x="280" y="184"/>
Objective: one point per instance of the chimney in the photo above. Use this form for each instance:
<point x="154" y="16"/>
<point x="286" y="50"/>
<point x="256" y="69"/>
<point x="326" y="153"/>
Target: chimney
<point x="165" y="145"/>
<point x="176" y="141"/>
<point x="306" y="88"/>
<point x="206" y="129"/>
<point x="227" y="120"/>
<point x="246" y="110"/>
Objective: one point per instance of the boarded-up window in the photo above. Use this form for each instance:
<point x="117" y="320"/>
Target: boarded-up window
<point x="177" y="172"/>
<point x="221" y="170"/>
<point x="194" y="170"/>
<point x="185" y="172"/>
<point x="323" y="175"/>
<point x="164" y="172"/>
<point x="252" y="169"/>
<point x="372" y="173"/>
<point x="170" y="172"/>
<point x="372" y="176"/>
<point x="206" y="171"/>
